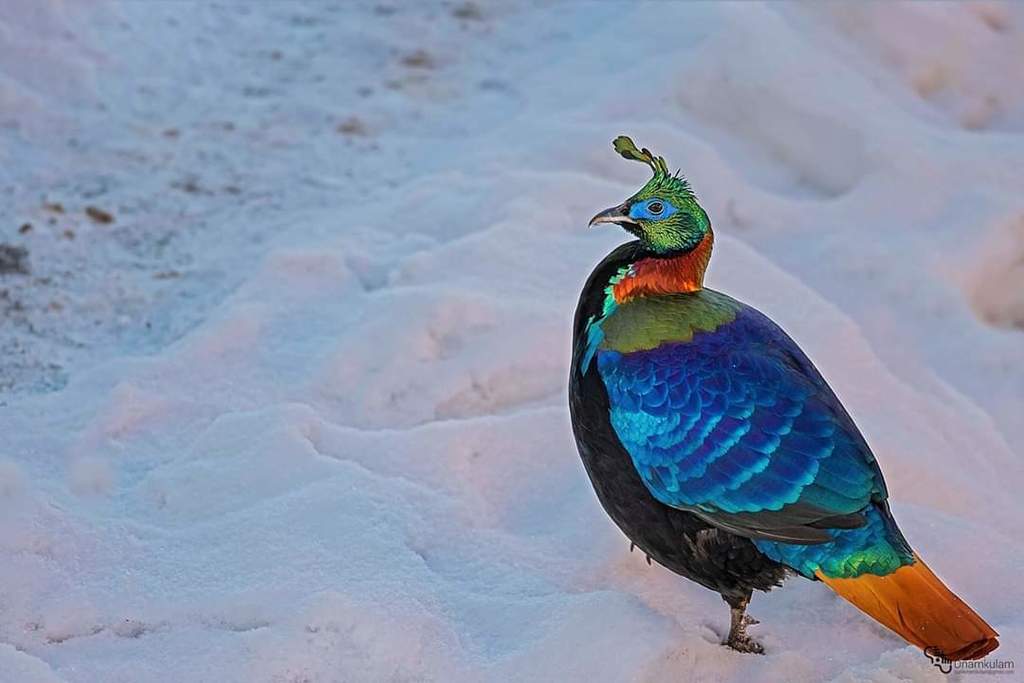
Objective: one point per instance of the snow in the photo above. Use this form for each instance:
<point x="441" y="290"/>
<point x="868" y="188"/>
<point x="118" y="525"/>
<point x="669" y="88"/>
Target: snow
<point x="298" y="412"/>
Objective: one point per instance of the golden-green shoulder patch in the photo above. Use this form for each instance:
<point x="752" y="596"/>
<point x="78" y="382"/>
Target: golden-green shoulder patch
<point x="647" y="322"/>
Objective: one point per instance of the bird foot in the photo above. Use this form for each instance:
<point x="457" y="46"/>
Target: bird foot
<point x="738" y="623"/>
<point x="743" y="643"/>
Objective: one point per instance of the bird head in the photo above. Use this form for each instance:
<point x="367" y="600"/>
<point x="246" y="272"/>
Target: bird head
<point x="664" y="213"/>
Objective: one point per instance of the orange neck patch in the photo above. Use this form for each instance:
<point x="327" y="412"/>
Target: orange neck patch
<point x="676" y="275"/>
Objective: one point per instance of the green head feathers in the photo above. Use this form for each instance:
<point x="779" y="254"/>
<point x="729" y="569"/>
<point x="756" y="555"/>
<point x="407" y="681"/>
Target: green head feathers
<point x="664" y="213"/>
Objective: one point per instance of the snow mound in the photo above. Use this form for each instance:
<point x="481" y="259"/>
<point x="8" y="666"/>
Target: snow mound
<point x="296" y="411"/>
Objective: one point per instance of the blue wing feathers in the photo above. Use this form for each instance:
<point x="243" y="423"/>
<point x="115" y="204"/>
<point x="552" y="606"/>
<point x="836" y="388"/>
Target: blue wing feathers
<point x="738" y="422"/>
<point x="877" y="547"/>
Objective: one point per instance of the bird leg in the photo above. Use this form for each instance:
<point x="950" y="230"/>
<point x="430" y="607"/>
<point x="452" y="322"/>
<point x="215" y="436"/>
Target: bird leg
<point x="738" y="638"/>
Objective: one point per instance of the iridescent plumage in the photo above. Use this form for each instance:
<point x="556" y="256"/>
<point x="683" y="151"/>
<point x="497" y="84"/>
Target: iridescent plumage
<point x="734" y="424"/>
<point x="720" y="450"/>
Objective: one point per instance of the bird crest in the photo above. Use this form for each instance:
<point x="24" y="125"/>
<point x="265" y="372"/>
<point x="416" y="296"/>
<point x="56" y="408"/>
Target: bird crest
<point x="627" y="149"/>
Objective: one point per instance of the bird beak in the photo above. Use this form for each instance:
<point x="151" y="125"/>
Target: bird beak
<point x="617" y="214"/>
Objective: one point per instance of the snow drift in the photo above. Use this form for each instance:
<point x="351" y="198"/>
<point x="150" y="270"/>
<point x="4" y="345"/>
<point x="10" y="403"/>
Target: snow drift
<point x="297" y="412"/>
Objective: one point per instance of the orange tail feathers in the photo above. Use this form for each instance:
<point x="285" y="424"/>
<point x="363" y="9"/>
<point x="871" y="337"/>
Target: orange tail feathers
<point x="914" y="603"/>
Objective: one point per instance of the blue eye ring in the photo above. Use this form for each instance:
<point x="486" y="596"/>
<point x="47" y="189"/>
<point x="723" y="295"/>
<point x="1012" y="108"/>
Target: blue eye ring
<point x="653" y="209"/>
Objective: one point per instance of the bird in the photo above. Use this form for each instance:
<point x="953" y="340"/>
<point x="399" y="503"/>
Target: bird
<point x="718" y="448"/>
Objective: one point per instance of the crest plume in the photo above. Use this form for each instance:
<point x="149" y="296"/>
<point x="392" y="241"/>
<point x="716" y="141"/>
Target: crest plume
<point x="625" y="147"/>
<point x="662" y="177"/>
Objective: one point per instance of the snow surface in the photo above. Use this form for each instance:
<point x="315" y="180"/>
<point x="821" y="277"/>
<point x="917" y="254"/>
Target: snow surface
<point x="297" y="413"/>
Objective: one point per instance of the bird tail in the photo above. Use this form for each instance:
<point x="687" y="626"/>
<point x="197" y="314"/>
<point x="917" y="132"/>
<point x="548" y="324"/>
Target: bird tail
<point x="914" y="603"/>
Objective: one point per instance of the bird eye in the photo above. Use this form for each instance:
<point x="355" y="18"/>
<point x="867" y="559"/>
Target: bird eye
<point x="655" y="207"/>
